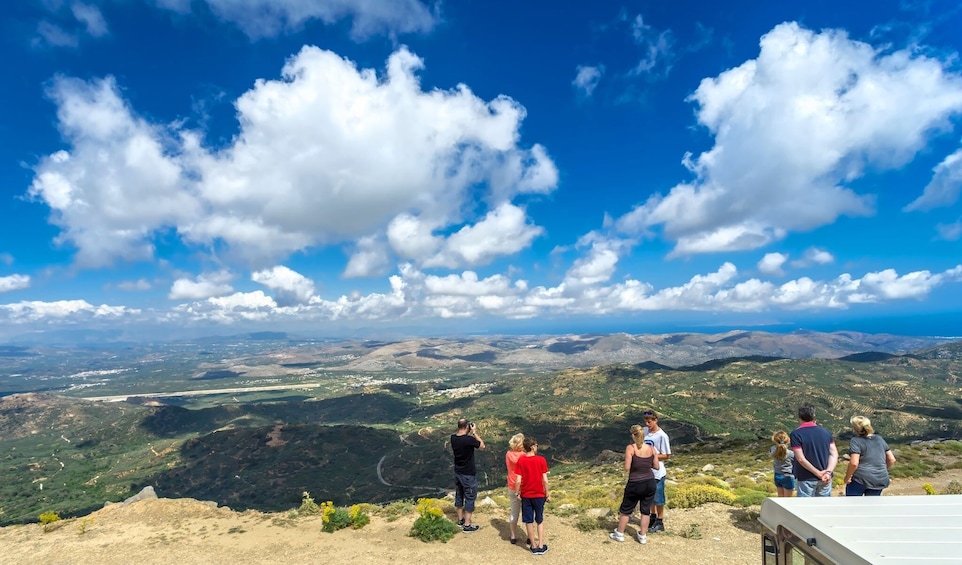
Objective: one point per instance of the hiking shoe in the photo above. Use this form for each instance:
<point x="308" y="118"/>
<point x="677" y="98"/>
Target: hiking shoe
<point x="461" y="522"/>
<point x="471" y="528"/>
<point x="656" y="526"/>
<point x="617" y="536"/>
<point x="642" y="539"/>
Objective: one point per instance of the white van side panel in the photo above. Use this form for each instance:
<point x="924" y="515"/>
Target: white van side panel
<point x="889" y="530"/>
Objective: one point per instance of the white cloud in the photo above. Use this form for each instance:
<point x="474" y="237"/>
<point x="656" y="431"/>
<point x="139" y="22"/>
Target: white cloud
<point x="206" y="285"/>
<point x="117" y="185"/>
<point x="791" y="128"/>
<point x="328" y="154"/>
<point x="503" y="231"/>
<point x="91" y="18"/>
<point x="289" y="286"/>
<point x="370" y="257"/>
<point x="658" y="47"/>
<point x="771" y="263"/>
<point x="587" y="78"/>
<point x="137" y="285"/>
<point x="944" y="188"/>
<point x="950" y="232"/>
<point x="597" y="267"/>
<point x="55" y="36"/>
<point x="266" y="18"/>
<point x="14" y="282"/>
<point x="62" y="310"/>
<point x="6" y="258"/>
<point x="814" y="256"/>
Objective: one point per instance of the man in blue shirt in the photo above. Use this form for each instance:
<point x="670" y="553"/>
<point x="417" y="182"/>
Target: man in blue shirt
<point x="815" y="455"/>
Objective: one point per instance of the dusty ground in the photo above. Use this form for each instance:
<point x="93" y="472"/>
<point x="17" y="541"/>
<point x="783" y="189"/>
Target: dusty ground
<point x="185" y="532"/>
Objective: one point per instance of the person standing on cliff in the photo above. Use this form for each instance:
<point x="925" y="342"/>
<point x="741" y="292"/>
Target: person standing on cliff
<point x="463" y="444"/>
<point x="658" y="439"/>
<point x="815" y="455"/>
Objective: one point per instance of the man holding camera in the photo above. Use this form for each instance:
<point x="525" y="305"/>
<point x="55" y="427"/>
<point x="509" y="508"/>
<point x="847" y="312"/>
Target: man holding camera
<point x="463" y="445"/>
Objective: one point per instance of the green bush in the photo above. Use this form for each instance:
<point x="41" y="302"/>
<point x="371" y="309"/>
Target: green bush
<point x="742" y="481"/>
<point x="696" y="495"/>
<point x="431" y="525"/>
<point x="749" y="497"/>
<point x="954" y="487"/>
<point x="47" y="519"/>
<point x="585" y="523"/>
<point x="308" y="506"/>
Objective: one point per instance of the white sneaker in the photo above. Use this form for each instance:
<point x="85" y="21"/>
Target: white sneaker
<point x="617" y="536"/>
<point x="642" y="539"/>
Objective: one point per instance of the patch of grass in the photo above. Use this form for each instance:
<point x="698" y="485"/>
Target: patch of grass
<point x="585" y="523"/>
<point x="396" y="509"/>
<point x="692" y="531"/>
<point x="694" y="496"/>
<point x="431" y="525"/>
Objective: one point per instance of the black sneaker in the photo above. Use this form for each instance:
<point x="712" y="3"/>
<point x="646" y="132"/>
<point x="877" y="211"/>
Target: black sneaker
<point x="461" y="522"/>
<point x="471" y="528"/>
<point x="541" y="550"/>
<point x="656" y="526"/>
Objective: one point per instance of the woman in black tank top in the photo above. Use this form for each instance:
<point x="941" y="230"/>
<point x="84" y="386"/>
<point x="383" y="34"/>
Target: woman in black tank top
<point x="641" y="458"/>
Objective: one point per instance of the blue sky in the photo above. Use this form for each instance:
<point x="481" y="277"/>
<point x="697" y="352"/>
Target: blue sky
<point x="212" y="165"/>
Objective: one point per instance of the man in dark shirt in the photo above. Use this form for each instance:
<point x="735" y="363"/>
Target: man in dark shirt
<point x="815" y="455"/>
<point x="463" y="444"/>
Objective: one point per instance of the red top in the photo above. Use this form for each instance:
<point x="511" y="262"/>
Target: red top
<point x="510" y="459"/>
<point x="531" y="470"/>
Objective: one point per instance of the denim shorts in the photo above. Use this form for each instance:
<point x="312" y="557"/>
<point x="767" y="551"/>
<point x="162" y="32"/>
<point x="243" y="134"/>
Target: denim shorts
<point x="660" y="492"/>
<point x="465" y="491"/>
<point x="785" y="481"/>
<point x="813" y="489"/>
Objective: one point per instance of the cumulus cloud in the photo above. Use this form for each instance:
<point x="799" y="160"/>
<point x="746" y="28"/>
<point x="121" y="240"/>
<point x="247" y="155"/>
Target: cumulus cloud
<point x="117" y="185"/>
<point x="14" y="282"/>
<point x="206" y="285"/>
<point x="771" y="263"/>
<point x="328" y="154"/>
<point x="943" y="189"/>
<point x="289" y="286"/>
<point x="62" y="310"/>
<point x="791" y="128"/>
<point x="587" y="78"/>
<point x="814" y="256"/>
<point x="267" y="18"/>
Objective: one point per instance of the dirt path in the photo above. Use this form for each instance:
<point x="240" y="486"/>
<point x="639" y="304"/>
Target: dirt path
<point x="185" y="531"/>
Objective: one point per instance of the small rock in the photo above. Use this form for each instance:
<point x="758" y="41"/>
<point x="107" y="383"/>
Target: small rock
<point x="598" y="512"/>
<point x="144" y="494"/>
<point x="707" y="468"/>
<point x="487" y="502"/>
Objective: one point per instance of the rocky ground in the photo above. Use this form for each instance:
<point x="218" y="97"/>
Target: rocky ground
<point x="185" y="531"/>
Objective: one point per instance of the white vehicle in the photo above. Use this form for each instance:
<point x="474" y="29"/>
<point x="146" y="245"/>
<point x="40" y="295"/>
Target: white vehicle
<point x="857" y="530"/>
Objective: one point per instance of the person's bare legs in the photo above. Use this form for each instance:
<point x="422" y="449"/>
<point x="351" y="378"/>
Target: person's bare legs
<point x="541" y="540"/>
<point x="623" y="522"/>
<point x="460" y="513"/>
<point x="645" y="520"/>
<point x="467" y="517"/>
<point x="529" y="527"/>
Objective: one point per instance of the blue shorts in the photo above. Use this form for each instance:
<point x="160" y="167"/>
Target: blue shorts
<point x="785" y="481"/>
<point x="532" y="510"/>
<point x="465" y="491"/>
<point x="660" y="492"/>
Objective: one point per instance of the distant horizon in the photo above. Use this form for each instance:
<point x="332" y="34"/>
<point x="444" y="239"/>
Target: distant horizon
<point x="935" y="327"/>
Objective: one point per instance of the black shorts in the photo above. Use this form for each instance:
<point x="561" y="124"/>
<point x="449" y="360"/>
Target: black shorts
<point x="636" y="492"/>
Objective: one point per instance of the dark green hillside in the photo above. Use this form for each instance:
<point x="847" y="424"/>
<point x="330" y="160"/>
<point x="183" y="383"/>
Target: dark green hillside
<point x="264" y="454"/>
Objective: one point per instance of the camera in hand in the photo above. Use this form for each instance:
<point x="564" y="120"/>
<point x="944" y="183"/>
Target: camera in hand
<point x="470" y="425"/>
